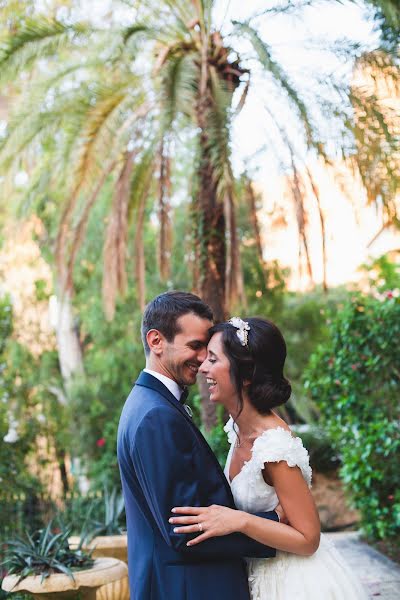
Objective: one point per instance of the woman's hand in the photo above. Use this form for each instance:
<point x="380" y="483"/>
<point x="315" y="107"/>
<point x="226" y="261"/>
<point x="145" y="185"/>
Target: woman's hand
<point x="208" y="521"/>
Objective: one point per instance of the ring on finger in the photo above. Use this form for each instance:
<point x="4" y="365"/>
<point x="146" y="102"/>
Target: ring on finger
<point x="200" y="526"/>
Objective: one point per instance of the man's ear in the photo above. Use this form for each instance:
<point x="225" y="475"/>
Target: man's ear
<point x="155" y="340"/>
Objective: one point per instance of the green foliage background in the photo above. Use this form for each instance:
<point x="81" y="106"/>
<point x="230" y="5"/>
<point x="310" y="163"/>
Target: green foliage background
<point x="354" y="380"/>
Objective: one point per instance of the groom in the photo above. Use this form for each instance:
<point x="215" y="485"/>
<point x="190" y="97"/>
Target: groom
<point x="165" y="462"/>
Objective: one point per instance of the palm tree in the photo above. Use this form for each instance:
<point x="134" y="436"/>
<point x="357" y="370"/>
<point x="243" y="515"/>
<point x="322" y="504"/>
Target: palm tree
<point x="112" y="103"/>
<point x="387" y="17"/>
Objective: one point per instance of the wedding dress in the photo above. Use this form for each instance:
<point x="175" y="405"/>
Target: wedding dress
<point x="322" y="576"/>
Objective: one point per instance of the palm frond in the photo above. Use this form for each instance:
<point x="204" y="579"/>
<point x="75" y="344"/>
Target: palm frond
<point x="179" y="87"/>
<point x="279" y="76"/>
<point x="115" y="245"/>
<point x="102" y="105"/>
<point x="377" y="135"/>
<point x="36" y="39"/>
<point x="80" y="230"/>
<point x="136" y="28"/>
<point x="288" y="7"/>
<point x="86" y="167"/>
<point x="243" y="98"/>
<point x="387" y="18"/>
<point x="141" y="189"/>
<point x="218" y="122"/>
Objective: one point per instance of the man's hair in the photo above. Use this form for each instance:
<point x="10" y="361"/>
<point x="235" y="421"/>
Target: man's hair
<point x="163" y="312"/>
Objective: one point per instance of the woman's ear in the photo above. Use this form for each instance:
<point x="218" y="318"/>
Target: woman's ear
<point x="155" y="340"/>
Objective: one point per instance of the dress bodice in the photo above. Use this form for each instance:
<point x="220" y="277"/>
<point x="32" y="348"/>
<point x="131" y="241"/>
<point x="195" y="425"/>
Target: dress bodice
<point x="249" y="489"/>
<point x="288" y="576"/>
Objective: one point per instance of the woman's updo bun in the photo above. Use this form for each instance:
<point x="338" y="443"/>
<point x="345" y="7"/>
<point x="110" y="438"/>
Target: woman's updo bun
<point x="257" y="365"/>
<point x="268" y="394"/>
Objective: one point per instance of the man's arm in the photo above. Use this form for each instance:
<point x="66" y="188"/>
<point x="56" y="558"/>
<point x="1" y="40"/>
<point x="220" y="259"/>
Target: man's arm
<point x="165" y="466"/>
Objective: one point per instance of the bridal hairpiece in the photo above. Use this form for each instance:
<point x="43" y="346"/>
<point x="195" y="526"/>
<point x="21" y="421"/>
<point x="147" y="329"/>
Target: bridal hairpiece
<point x="243" y="327"/>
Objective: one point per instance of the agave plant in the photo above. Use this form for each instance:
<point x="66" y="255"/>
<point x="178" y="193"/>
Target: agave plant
<point x="44" y="552"/>
<point x="113" y="506"/>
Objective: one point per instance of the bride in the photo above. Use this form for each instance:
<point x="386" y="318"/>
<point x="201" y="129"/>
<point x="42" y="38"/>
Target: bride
<point x="266" y="465"/>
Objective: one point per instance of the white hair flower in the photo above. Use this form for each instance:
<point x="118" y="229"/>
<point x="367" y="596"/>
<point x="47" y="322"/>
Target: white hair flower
<point x="243" y="327"/>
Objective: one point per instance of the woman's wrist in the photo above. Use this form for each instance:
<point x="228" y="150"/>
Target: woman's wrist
<point x="243" y="521"/>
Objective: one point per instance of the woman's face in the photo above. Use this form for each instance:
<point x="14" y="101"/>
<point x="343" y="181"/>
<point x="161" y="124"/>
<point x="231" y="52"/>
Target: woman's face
<point x="216" y="368"/>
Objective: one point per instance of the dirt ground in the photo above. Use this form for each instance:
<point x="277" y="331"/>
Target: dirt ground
<point x="334" y="510"/>
<point x="337" y="515"/>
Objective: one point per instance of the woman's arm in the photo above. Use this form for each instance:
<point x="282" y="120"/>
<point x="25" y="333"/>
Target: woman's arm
<point x="300" y="537"/>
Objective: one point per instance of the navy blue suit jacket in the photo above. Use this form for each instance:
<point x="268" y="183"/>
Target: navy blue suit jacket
<point x="164" y="462"/>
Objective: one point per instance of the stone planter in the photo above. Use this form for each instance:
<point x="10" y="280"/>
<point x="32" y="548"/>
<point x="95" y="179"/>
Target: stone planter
<point x="114" y="546"/>
<point x="86" y="585"/>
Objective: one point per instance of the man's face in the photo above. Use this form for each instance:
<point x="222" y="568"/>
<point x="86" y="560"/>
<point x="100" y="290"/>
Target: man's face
<point x="182" y="356"/>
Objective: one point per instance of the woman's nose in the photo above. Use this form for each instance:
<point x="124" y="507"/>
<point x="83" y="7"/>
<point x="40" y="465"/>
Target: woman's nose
<point x="203" y="368"/>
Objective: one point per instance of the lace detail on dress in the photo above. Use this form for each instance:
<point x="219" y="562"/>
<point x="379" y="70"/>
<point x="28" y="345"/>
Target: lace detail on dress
<point x="230" y="431"/>
<point x="278" y="444"/>
<point x="273" y="445"/>
<point x="288" y="576"/>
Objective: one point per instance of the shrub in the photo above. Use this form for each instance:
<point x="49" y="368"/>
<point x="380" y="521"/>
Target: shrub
<point x="323" y="457"/>
<point x="354" y="380"/>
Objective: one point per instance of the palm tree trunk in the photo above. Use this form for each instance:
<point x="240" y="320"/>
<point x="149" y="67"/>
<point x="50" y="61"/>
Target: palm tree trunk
<point x="300" y="215"/>
<point x="323" y="233"/>
<point x="164" y="194"/>
<point x="251" y="198"/>
<point x="68" y="344"/>
<point x="61" y="456"/>
<point x="140" y="266"/>
<point x="234" y="287"/>
<point x="212" y="240"/>
<point x="211" y="232"/>
<point x="212" y="227"/>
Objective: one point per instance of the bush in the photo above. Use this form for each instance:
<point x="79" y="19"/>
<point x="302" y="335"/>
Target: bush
<point x="354" y="380"/>
<point x="323" y="457"/>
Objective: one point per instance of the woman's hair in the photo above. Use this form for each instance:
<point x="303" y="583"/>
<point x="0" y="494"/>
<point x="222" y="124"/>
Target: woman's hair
<point x="260" y="361"/>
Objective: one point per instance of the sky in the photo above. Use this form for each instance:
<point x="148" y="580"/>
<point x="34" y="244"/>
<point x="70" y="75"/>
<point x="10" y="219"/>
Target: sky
<point x="254" y="140"/>
<point x="291" y="39"/>
<point x="297" y="45"/>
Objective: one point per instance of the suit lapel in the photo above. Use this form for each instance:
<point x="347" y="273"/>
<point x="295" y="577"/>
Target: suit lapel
<point x="148" y="381"/>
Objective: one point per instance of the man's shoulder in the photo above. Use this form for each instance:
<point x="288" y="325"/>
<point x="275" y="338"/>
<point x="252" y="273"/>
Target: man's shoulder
<point x="144" y="401"/>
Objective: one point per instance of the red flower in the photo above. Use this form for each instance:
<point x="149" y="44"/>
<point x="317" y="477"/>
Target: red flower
<point x="354" y="367"/>
<point x="101" y="442"/>
<point x="389" y="294"/>
<point x="391" y="497"/>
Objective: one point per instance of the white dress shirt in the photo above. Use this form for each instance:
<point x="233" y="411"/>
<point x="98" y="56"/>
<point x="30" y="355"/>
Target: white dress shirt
<point x="169" y="383"/>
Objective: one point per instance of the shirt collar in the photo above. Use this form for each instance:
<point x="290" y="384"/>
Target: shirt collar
<point x="169" y="383"/>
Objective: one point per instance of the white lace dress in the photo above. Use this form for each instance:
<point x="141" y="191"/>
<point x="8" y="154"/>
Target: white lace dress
<point x="322" y="576"/>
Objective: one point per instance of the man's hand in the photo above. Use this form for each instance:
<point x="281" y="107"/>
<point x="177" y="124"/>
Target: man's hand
<point x="282" y="517"/>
